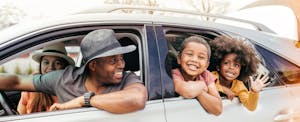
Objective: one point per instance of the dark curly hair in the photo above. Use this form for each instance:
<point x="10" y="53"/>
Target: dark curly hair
<point x="221" y="46"/>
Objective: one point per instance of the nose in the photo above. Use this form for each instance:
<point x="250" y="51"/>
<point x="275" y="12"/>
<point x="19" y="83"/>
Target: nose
<point x="231" y="66"/>
<point x="52" y="66"/>
<point x="195" y="58"/>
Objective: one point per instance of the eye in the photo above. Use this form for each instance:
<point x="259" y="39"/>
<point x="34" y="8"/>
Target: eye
<point x="45" y="62"/>
<point x="236" y="65"/>
<point x="201" y="57"/>
<point x="58" y="63"/>
<point x="188" y="54"/>
<point x="113" y="61"/>
<point x="121" y="59"/>
<point x="225" y="62"/>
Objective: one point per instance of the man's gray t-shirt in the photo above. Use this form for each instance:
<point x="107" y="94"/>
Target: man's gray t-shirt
<point x="69" y="83"/>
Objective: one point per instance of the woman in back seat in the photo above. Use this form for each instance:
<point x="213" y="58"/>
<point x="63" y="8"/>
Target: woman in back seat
<point x="52" y="58"/>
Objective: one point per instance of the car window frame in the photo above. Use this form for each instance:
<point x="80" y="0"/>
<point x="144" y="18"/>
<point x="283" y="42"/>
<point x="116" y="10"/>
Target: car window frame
<point x="192" y="30"/>
<point x="33" y="42"/>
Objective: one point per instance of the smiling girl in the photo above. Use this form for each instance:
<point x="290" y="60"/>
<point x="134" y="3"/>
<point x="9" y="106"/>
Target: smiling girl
<point x="235" y="62"/>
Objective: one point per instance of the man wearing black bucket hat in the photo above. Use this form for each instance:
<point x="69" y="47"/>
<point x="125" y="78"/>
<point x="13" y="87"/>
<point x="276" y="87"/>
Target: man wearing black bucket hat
<point x="100" y="82"/>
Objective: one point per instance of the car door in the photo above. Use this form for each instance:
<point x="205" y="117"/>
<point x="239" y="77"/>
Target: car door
<point x="277" y="98"/>
<point x="284" y="91"/>
<point x="273" y="99"/>
<point x="145" y="67"/>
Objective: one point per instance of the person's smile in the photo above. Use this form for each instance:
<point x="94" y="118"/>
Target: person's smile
<point x="192" y="67"/>
<point x="118" y="75"/>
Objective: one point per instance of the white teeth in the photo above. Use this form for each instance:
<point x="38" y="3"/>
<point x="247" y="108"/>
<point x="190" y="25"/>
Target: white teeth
<point x="118" y="73"/>
<point x="229" y="74"/>
<point x="193" y="67"/>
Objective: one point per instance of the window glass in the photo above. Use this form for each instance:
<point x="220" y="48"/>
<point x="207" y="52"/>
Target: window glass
<point x="25" y="65"/>
<point x="283" y="71"/>
<point x="22" y="65"/>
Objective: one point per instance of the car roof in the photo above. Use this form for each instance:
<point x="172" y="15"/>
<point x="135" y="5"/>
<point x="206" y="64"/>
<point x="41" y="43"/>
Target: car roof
<point x="267" y="40"/>
<point x="35" y="25"/>
<point x="110" y="9"/>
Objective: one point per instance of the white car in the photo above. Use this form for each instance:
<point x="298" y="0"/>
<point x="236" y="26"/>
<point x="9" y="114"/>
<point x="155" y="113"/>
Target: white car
<point x="157" y="38"/>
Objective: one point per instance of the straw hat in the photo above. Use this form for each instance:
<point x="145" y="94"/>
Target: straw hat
<point x="57" y="49"/>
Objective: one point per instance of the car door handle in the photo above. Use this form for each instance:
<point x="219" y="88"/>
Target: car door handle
<point x="287" y="116"/>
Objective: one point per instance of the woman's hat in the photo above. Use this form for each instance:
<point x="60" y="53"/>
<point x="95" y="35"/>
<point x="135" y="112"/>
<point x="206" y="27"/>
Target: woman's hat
<point x="58" y="49"/>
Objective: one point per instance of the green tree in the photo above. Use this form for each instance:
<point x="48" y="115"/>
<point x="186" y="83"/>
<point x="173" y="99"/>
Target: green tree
<point x="2" y="69"/>
<point x="29" y="70"/>
<point x="17" y="70"/>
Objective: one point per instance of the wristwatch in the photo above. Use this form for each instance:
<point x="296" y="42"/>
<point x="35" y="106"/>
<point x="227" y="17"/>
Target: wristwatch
<point x="87" y="97"/>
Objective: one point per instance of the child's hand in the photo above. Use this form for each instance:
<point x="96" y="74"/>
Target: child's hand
<point x="230" y="95"/>
<point x="259" y="83"/>
<point x="199" y="86"/>
<point x="204" y="87"/>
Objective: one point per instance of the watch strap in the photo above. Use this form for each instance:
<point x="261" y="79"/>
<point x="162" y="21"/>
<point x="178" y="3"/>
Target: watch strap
<point x="87" y="98"/>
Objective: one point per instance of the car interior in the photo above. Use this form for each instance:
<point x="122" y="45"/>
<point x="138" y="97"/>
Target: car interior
<point x="175" y="38"/>
<point x="132" y="59"/>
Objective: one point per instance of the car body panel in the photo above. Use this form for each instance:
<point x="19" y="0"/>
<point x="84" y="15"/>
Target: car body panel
<point x="152" y="112"/>
<point x="190" y="109"/>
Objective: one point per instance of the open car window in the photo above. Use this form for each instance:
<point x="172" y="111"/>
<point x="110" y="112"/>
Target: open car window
<point x="175" y="38"/>
<point x="22" y="64"/>
<point x="25" y="65"/>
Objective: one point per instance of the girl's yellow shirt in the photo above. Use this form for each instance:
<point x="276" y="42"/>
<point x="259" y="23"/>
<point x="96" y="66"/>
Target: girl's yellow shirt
<point x="248" y="99"/>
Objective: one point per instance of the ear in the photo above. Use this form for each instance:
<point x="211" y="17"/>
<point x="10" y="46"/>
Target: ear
<point x="92" y="65"/>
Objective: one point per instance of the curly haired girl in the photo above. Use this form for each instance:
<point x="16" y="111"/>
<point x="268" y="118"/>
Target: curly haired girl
<point x="235" y="62"/>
